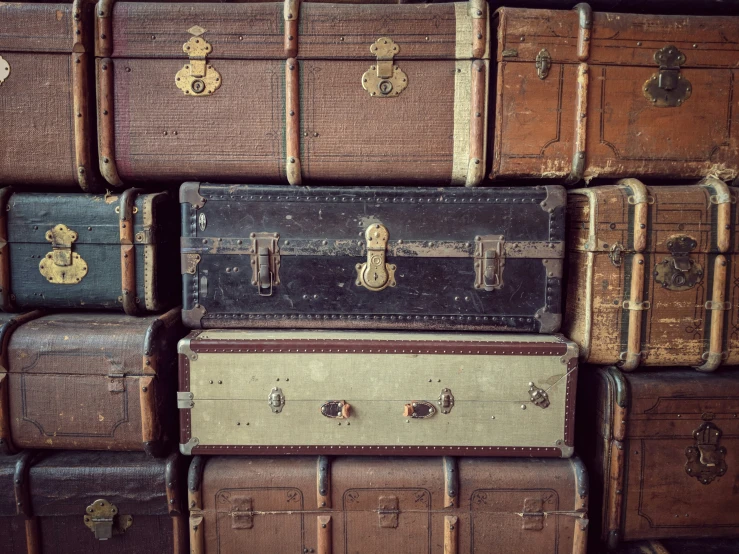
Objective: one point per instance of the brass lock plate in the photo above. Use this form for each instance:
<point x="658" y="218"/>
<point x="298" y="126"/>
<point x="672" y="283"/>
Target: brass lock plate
<point x="375" y="274"/>
<point x="706" y="458"/>
<point x="543" y="63"/>
<point x="679" y="272"/>
<point x="385" y="79"/>
<point x="198" y="78"/>
<point x="61" y="266"/>
<point x="4" y="70"/>
<point x="668" y="88"/>
<point x="102" y="518"/>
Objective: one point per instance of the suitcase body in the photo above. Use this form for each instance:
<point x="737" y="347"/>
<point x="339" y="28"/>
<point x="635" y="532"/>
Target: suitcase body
<point x="583" y="95"/>
<point x="90" y="382"/>
<point x="664" y="458"/>
<point x="347" y="504"/>
<point x="338" y="392"/>
<point x="652" y="274"/>
<point x="472" y="259"/>
<point x="47" y="114"/>
<point x="131" y="502"/>
<point x="281" y="88"/>
<point x="75" y="251"/>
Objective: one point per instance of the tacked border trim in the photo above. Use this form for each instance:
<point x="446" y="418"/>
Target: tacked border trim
<point x="191" y="446"/>
<point x="128" y="252"/>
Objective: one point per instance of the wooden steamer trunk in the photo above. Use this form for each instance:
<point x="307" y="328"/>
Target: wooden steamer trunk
<point x="274" y="92"/>
<point x="458" y="259"/>
<point x="334" y="392"/>
<point x="92" y="382"/>
<point x="652" y="275"/>
<point x="583" y="95"/>
<point x="307" y="504"/>
<point x="87" y="251"/>
<point x="665" y="456"/>
<point x="46" y="109"/>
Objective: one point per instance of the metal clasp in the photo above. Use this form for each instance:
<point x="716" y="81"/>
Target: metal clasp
<point x="543" y="63"/>
<point x="265" y="262"/>
<point x="103" y="519"/>
<point x="375" y="274"/>
<point x="446" y="401"/>
<point x="4" y="70"/>
<point x="384" y="79"/>
<point x="61" y="266"/>
<point x="538" y="396"/>
<point x="489" y="262"/>
<point x="706" y="458"/>
<point x="276" y="400"/>
<point x="388" y="512"/>
<point x="679" y="272"/>
<point x="198" y="78"/>
<point x="668" y="88"/>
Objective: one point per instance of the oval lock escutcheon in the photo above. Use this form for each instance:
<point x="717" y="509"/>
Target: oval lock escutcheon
<point x="419" y="409"/>
<point x="202" y="221"/>
<point x="336" y="409"/>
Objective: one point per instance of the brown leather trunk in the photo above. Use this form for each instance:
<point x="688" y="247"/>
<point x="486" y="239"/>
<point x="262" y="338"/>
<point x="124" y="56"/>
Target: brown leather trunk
<point x="652" y="275"/>
<point x="662" y="448"/>
<point x="314" y="101"/>
<point x="423" y="505"/>
<point x="70" y="493"/>
<point x="92" y="382"/>
<point x="583" y="95"/>
<point x="45" y="86"/>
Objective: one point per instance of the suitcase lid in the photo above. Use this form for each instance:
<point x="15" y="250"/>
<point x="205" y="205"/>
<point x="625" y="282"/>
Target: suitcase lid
<point x="603" y="218"/>
<point x="66" y="483"/>
<point x="277" y="30"/>
<point x="42" y="28"/>
<point x="615" y="38"/>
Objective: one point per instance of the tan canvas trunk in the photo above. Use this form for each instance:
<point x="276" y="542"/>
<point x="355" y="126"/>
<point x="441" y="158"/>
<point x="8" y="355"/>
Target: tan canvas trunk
<point x="652" y="275"/>
<point x="278" y="92"/>
<point x="46" y="109"/>
<point x="333" y="392"/>
<point x="662" y="450"/>
<point x="346" y="505"/>
<point x="583" y="95"/>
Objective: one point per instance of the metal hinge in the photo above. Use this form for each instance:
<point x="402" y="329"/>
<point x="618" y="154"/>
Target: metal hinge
<point x="61" y="266"/>
<point x="489" y="262"/>
<point x="668" y="88"/>
<point x="185" y="400"/>
<point x="543" y="63"/>
<point x="103" y="519"/>
<point x="385" y="79"/>
<point x="679" y="272"/>
<point x="265" y="262"/>
<point x="197" y="78"/>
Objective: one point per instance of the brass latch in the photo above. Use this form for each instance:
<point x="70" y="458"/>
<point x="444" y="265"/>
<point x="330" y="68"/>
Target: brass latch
<point x="103" y="519"/>
<point x="446" y="401"/>
<point x="61" y="266"/>
<point x="265" y="262"/>
<point x="375" y="274"/>
<point x="4" y="70"/>
<point x="543" y="63"/>
<point x="538" y="396"/>
<point x="489" y="262"/>
<point x="388" y="512"/>
<point x="384" y="79"/>
<point x="679" y="271"/>
<point x="706" y="458"/>
<point x="197" y="78"/>
<point x="668" y="88"/>
<point x="276" y="400"/>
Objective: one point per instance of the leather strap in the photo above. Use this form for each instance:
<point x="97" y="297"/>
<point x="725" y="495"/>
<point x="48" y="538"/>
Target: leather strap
<point x="128" y="252"/>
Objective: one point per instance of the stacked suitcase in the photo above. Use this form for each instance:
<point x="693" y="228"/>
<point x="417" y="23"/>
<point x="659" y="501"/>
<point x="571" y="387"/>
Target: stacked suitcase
<point x="390" y="303"/>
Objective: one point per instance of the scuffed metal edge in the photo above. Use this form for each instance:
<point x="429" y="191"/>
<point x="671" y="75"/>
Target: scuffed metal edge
<point x="183" y="347"/>
<point x="451" y="481"/>
<point x="190" y="194"/>
<point x="556" y="198"/>
<point x="582" y="481"/>
<point x="620" y="386"/>
<point x="194" y="480"/>
<point x="187" y="447"/>
<point x="549" y="322"/>
<point x="193" y="318"/>
<point x="713" y="361"/>
<point x="323" y="482"/>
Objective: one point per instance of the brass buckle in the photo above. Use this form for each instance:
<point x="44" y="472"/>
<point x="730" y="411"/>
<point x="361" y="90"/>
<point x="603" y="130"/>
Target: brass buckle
<point x="385" y="79"/>
<point x="489" y="262"/>
<point x="61" y="266"/>
<point x="197" y="78"/>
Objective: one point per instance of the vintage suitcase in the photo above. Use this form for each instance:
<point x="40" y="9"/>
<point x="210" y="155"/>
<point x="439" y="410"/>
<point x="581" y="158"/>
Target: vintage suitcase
<point x="472" y="259"/>
<point x="652" y="274"/>
<point x="88" y="251"/>
<point x="662" y="448"/>
<point x="338" y="392"/>
<point x="133" y="503"/>
<point x="274" y="92"/>
<point x="583" y="95"/>
<point x="346" y="504"/>
<point x="681" y="546"/>
<point x="91" y="382"/>
<point x="46" y="107"/>
<point x="18" y="531"/>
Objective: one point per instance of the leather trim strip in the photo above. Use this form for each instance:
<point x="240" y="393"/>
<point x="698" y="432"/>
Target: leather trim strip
<point x="292" y="121"/>
<point x="462" y="109"/>
<point x="128" y="252"/>
<point x="106" y="130"/>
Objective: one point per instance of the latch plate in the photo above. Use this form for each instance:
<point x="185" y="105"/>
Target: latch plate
<point x="543" y="63"/>
<point x="104" y="521"/>
<point x="387" y="512"/>
<point x="197" y="78"/>
<point x="61" y="266"/>
<point x="538" y="396"/>
<point x="265" y="262"/>
<point x="533" y="514"/>
<point x="4" y="70"/>
<point x="384" y="80"/>
<point x="185" y="400"/>
<point x="375" y="274"/>
<point x="276" y="400"/>
<point x="706" y="458"/>
<point x="678" y="271"/>
<point x="668" y="88"/>
<point x="446" y="401"/>
<point x="489" y="262"/>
